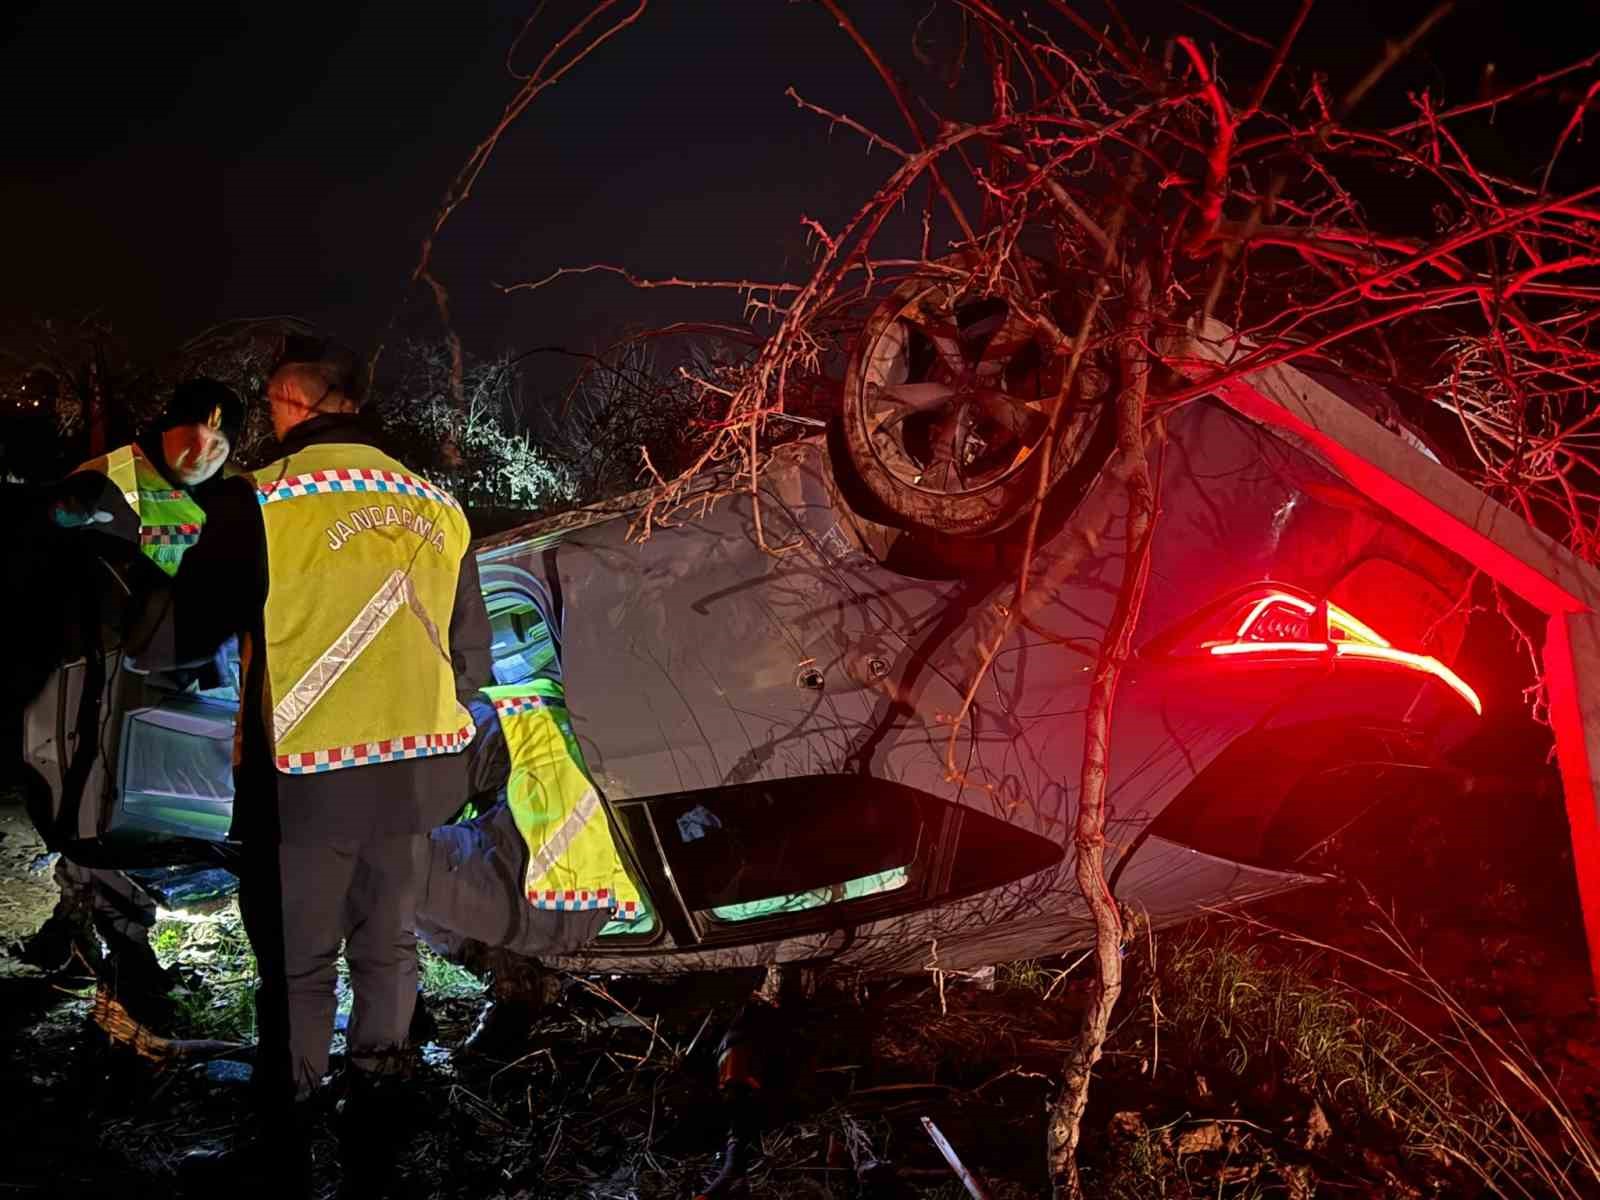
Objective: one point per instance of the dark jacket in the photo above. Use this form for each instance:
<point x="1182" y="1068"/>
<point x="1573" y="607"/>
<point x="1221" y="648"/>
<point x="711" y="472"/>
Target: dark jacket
<point x="221" y="590"/>
<point x="49" y="584"/>
<point x="76" y="582"/>
<point x="52" y="571"/>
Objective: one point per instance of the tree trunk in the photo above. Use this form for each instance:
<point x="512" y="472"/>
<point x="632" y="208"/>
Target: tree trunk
<point x="1066" y="1116"/>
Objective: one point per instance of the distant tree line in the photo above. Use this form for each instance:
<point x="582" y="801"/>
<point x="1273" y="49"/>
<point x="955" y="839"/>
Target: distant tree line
<point x="71" y="389"/>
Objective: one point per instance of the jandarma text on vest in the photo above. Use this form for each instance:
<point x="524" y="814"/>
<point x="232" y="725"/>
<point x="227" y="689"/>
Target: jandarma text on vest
<point x="375" y="515"/>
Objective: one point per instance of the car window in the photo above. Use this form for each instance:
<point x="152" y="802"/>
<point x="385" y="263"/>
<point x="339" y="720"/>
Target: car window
<point x="778" y="858"/>
<point x="175" y="770"/>
<point x="521" y="646"/>
<point x="851" y="889"/>
<point x="755" y="846"/>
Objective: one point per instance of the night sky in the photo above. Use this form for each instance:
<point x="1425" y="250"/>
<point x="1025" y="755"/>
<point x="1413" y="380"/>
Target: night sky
<point x="170" y="166"/>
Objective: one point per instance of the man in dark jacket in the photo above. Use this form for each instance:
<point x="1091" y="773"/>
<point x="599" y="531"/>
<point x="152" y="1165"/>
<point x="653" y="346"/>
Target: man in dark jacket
<point x="339" y="569"/>
<point x="160" y="479"/>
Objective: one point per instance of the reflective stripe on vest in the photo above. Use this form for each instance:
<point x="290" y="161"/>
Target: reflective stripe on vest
<point x="573" y="860"/>
<point x="169" y="519"/>
<point x="363" y="558"/>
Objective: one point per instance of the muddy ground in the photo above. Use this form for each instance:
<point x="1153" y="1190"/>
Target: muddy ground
<point x="1204" y="1092"/>
<point x="27" y="893"/>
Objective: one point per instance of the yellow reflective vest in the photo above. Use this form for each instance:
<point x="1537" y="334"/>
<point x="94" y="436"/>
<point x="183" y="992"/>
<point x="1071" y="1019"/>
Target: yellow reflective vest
<point x="573" y="860"/>
<point x="363" y="556"/>
<point x="169" y="519"/>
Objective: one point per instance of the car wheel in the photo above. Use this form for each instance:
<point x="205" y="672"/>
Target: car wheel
<point x="947" y="402"/>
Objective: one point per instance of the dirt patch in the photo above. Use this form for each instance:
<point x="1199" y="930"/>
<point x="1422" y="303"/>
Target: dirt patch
<point x="28" y="891"/>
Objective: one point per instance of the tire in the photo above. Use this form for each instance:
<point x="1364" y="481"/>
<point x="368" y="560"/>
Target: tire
<point x="946" y="404"/>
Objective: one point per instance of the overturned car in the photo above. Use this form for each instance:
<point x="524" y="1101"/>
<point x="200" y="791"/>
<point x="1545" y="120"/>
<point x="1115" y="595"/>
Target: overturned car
<point x="772" y="734"/>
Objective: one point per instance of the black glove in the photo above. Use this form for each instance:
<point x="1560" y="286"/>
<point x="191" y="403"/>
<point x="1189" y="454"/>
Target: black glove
<point x="87" y="500"/>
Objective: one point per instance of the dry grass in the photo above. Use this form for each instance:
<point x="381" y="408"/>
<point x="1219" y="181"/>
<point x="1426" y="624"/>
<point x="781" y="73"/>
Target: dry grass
<point x="1224" y="1001"/>
<point x="214" y="952"/>
<point x="1457" y="1090"/>
<point x="614" y="1095"/>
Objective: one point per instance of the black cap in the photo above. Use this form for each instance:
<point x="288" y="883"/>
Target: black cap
<point x="202" y="401"/>
<point x="340" y="361"/>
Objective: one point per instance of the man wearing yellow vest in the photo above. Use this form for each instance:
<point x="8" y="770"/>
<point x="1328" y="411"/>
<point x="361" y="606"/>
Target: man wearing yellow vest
<point x="157" y="478"/>
<point x="362" y="631"/>
<point x="538" y="874"/>
<point x="156" y="475"/>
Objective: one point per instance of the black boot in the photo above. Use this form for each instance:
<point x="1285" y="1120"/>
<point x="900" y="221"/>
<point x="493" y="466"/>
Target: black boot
<point x="51" y="947"/>
<point x="273" y="1162"/>
<point x="140" y="983"/>
<point x="520" y="989"/>
<point x="373" y="1131"/>
<point x="502" y="1028"/>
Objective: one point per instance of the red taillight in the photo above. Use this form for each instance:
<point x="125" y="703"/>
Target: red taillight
<point x="1280" y="623"/>
<point x="1277" y="617"/>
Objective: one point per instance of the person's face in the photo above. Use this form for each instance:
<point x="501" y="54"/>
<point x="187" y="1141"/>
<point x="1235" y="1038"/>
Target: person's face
<point x="285" y="403"/>
<point x="194" y="453"/>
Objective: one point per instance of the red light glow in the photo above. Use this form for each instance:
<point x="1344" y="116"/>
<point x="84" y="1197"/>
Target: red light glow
<point x="1417" y="662"/>
<point x="1354" y="630"/>
<point x="1272" y="648"/>
<point x="1454" y="514"/>
<point x="1358" y="641"/>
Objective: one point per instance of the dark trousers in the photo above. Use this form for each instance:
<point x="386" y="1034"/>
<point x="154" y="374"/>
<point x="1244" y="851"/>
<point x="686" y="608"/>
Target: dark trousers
<point x="474" y="894"/>
<point x="299" y="903"/>
<point x="122" y="911"/>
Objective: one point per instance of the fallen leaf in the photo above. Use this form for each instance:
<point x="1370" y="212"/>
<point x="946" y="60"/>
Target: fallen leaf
<point x="1198" y="1139"/>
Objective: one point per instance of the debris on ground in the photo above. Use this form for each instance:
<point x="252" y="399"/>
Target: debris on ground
<point x="1242" y="1063"/>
